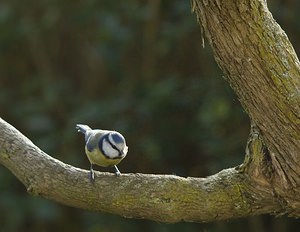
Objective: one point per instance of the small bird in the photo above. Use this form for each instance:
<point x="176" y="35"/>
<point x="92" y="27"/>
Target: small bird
<point x="103" y="147"/>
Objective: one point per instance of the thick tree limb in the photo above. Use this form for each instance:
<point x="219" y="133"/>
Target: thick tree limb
<point x="263" y="69"/>
<point x="164" y="198"/>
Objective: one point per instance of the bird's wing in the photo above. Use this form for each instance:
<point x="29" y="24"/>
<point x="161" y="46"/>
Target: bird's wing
<point x="93" y="139"/>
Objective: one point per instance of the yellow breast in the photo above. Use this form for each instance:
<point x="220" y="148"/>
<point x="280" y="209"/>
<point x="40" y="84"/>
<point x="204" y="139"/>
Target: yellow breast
<point x="96" y="157"/>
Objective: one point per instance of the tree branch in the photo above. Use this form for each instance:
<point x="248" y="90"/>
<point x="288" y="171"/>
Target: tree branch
<point x="164" y="198"/>
<point x="263" y="69"/>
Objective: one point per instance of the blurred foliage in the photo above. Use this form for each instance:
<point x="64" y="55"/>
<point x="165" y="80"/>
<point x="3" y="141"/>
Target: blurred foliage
<point x="134" y="66"/>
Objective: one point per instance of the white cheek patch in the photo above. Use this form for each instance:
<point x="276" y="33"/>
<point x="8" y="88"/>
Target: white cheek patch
<point x="125" y="150"/>
<point x="108" y="150"/>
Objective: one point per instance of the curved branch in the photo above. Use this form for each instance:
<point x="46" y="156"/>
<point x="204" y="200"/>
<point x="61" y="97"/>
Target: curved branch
<point x="263" y="69"/>
<point x="164" y="198"/>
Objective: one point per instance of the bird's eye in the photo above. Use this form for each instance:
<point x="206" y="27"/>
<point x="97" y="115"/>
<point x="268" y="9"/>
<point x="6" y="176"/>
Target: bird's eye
<point x="114" y="147"/>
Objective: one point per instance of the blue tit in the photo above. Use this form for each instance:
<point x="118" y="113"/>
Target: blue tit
<point x="103" y="147"/>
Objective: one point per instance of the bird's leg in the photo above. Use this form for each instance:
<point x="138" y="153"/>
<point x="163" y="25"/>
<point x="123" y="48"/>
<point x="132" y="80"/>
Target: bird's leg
<point x="118" y="173"/>
<point x="92" y="174"/>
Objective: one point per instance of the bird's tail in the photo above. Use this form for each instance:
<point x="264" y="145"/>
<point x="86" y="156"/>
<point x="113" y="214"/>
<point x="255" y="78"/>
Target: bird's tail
<point x="82" y="128"/>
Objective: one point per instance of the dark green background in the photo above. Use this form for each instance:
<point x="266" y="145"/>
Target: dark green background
<point x="134" y="66"/>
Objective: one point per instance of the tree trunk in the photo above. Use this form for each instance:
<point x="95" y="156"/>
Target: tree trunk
<point x="262" y="68"/>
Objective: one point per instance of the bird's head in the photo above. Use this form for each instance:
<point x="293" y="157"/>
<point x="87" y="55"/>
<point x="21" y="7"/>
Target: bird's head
<point x="114" y="146"/>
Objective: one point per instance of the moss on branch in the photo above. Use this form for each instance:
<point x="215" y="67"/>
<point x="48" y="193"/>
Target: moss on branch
<point x="164" y="198"/>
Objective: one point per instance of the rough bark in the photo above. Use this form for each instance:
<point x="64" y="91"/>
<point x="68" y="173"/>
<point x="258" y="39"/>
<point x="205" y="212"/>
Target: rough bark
<point x="164" y="198"/>
<point x="262" y="68"/>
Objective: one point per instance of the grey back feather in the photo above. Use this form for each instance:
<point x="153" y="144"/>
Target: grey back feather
<point x="92" y="137"/>
<point x="93" y="140"/>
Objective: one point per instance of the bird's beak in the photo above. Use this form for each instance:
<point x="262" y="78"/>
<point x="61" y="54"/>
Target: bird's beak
<point x="124" y="151"/>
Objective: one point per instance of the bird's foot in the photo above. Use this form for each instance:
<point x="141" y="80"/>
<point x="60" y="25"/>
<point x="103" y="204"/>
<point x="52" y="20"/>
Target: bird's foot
<point x="92" y="176"/>
<point x="117" y="172"/>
